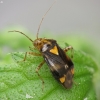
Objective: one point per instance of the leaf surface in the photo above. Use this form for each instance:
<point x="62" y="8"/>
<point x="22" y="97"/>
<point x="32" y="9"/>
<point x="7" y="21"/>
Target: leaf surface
<point x="19" y="81"/>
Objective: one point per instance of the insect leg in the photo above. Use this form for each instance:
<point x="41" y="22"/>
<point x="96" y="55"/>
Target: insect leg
<point x="69" y="48"/>
<point x="35" y="54"/>
<point x="24" y="58"/>
<point x="30" y="53"/>
<point x="38" y="68"/>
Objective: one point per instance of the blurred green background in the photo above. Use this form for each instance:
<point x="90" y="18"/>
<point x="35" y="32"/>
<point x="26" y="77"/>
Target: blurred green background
<point x="74" y="22"/>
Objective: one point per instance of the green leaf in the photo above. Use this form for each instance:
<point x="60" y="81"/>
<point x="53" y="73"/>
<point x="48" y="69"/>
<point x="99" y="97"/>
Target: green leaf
<point x="19" y="81"/>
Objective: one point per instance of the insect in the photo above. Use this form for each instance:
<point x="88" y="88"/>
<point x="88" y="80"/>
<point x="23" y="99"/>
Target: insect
<point x="60" y="65"/>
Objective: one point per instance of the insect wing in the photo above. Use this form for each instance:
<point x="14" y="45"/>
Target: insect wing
<point x="60" y="65"/>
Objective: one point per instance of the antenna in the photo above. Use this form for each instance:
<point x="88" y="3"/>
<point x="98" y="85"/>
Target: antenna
<point x="43" y="18"/>
<point x="22" y="33"/>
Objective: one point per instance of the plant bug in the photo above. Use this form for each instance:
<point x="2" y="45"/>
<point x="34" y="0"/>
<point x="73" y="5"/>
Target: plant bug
<point x="60" y="65"/>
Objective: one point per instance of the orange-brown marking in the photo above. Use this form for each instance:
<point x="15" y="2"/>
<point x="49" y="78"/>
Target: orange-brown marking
<point x="54" y="50"/>
<point x="72" y="70"/>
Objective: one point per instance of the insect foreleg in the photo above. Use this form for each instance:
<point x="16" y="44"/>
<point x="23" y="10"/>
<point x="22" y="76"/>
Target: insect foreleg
<point x="30" y="53"/>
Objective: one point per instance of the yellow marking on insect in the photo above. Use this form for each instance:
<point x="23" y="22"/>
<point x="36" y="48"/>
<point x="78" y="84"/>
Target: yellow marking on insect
<point x="54" y="50"/>
<point x="62" y="79"/>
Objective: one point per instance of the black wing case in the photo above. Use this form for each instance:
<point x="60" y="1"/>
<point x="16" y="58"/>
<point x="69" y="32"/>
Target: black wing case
<point x="61" y="66"/>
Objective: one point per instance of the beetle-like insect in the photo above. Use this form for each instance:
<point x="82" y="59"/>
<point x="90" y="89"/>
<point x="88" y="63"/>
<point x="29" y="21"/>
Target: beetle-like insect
<point x="60" y="65"/>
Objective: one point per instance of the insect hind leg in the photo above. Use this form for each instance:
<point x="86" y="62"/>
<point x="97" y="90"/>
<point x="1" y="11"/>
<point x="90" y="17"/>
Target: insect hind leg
<point x="69" y="48"/>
